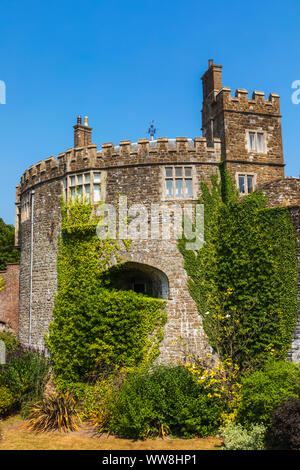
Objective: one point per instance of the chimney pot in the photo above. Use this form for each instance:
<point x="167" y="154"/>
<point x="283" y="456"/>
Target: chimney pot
<point x="210" y="62"/>
<point x="86" y="121"/>
<point x="78" y="119"/>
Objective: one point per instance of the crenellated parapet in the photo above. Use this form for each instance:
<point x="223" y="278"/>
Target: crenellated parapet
<point x="143" y="152"/>
<point x="146" y="150"/>
<point x="241" y="102"/>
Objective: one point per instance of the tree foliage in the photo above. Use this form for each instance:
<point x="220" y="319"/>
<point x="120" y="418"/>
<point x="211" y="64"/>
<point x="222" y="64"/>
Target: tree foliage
<point x="8" y="252"/>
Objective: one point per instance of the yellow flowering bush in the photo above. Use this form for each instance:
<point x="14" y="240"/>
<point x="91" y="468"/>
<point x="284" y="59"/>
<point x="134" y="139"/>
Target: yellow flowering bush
<point x="221" y="379"/>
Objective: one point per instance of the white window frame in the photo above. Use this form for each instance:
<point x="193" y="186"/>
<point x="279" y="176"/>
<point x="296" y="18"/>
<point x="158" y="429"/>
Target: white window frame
<point x="68" y="184"/>
<point x="173" y="178"/>
<point x="264" y="141"/>
<point x="246" y="182"/>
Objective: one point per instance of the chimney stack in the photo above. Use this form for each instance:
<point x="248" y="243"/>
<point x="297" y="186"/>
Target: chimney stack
<point x="82" y="133"/>
<point x="212" y="84"/>
<point x="212" y="79"/>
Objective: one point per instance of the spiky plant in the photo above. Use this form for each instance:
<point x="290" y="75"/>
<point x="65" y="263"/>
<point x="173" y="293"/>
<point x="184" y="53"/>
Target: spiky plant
<point x="55" y="412"/>
<point x="100" y="419"/>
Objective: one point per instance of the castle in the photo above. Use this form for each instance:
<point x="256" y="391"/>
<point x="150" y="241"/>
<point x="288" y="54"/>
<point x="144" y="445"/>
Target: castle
<point x="242" y="132"/>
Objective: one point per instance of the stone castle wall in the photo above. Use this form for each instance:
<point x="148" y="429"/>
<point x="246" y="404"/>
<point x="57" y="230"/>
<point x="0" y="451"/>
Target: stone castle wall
<point x="136" y="170"/>
<point x="132" y="170"/>
<point x="283" y="192"/>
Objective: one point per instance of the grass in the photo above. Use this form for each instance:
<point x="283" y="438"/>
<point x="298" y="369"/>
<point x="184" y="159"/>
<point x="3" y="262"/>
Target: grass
<point x="16" y="437"/>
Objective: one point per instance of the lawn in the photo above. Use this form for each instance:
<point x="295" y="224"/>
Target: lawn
<point x="16" y="437"/>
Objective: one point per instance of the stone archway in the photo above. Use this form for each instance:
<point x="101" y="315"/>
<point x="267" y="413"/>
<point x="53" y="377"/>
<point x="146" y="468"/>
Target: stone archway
<point x="142" y="278"/>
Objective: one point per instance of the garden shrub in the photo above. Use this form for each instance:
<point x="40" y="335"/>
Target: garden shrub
<point x="10" y="340"/>
<point x="264" y="390"/>
<point x="236" y="437"/>
<point x="91" y="397"/>
<point x="54" y="412"/>
<point x="24" y="374"/>
<point x="284" y="432"/>
<point x="163" y="400"/>
<point x="220" y="379"/>
<point x="7" y="400"/>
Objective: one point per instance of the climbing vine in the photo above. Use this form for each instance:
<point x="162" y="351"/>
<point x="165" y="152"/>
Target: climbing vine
<point x="243" y="280"/>
<point x="95" y="327"/>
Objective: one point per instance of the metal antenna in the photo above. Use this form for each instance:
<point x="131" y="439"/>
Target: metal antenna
<point x="152" y="131"/>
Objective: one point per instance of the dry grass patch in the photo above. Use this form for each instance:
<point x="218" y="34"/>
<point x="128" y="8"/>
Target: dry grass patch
<point x="17" y="437"/>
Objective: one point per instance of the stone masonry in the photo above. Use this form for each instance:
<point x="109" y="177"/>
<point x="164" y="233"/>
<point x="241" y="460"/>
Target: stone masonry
<point x="138" y="171"/>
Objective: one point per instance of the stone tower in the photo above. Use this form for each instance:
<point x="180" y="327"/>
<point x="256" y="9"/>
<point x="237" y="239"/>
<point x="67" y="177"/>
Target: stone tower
<point x="249" y="130"/>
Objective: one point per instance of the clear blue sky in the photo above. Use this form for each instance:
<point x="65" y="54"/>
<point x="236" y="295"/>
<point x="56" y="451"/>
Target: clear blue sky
<point x="124" y="63"/>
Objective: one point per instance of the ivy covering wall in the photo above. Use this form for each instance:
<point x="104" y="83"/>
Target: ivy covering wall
<point x="95" y="327"/>
<point x="244" y="279"/>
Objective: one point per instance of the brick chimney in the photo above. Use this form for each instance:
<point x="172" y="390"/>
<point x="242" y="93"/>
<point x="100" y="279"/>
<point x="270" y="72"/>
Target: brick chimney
<point x="82" y="133"/>
<point x="212" y="79"/>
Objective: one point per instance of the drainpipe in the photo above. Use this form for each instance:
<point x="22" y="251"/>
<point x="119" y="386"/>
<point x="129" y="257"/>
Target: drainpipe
<point x="31" y="266"/>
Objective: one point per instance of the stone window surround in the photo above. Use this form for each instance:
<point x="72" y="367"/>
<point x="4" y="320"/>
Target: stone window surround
<point x="255" y="132"/>
<point x="246" y="184"/>
<point x="193" y="177"/>
<point x="67" y="183"/>
<point x="25" y="207"/>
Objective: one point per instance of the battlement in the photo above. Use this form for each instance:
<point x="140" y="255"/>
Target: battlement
<point x="148" y="147"/>
<point x="127" y="153"/>
<point x="242" y="103"/>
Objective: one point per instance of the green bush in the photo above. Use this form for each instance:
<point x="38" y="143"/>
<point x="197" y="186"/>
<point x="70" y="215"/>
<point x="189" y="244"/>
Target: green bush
<point x="88" y="397"/>
<point x="164" y="400"/>
<point x="24" y="374"/>
<point x="264" y="390"/>
<point x="10" y="340"/>
<point x="7" y="400"/>
<point x="236" y="437"/>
